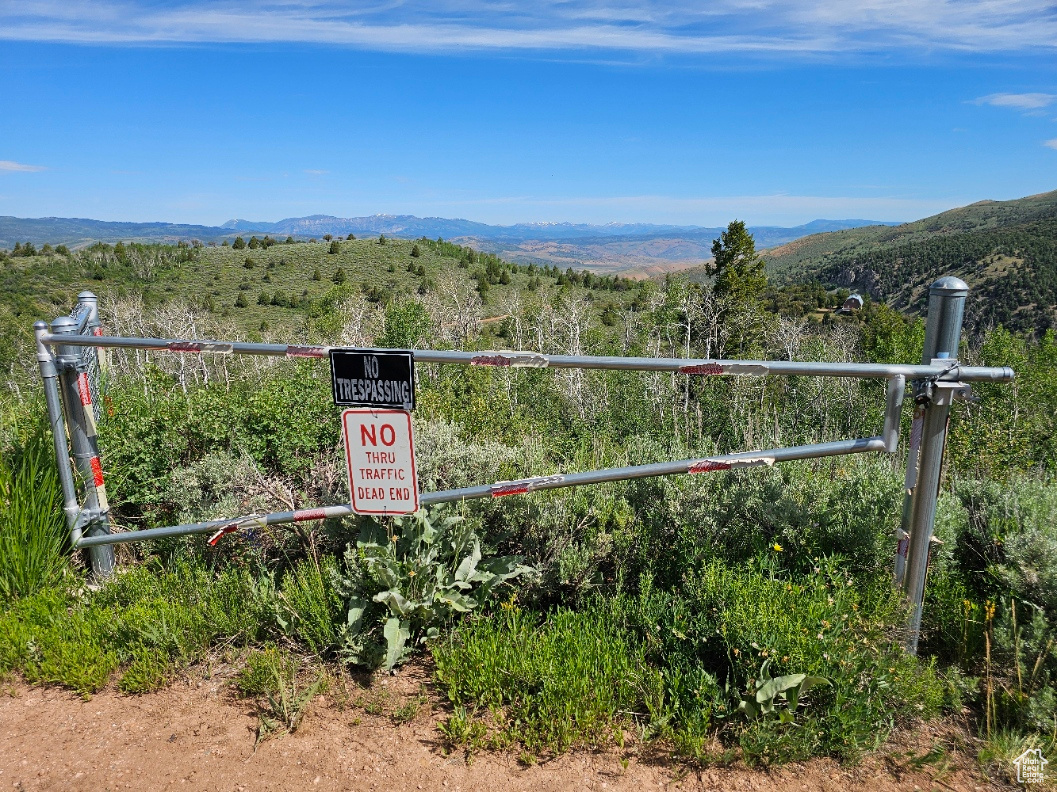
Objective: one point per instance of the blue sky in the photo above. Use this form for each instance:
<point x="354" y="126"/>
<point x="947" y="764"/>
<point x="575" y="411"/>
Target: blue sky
<point x="674" y="112"/>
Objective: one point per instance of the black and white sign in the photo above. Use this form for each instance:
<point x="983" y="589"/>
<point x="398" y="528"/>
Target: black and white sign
<point x="373" y="378"/>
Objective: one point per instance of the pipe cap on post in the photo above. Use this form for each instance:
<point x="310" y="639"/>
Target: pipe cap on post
<point x="64" y="324"/>
<point x="65" y="355"/>
<point x="87" y="296"/>
<point x="949" y="286"/>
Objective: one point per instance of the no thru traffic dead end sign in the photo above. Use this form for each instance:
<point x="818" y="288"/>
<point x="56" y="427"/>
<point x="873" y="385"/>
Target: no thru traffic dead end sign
<point x="380" y="453"/>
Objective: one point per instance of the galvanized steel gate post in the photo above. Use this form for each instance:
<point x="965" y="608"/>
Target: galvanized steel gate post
<point x="932" y="407"/>
<point x="49" y="374"/>
<point x="66" y="372"/>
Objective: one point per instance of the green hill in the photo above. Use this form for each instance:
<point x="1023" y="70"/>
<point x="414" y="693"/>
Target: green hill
<point x="1005" y="250"/>
<point x="268" y="289"/>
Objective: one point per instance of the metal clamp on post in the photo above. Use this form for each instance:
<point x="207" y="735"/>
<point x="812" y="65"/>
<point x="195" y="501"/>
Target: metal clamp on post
<point x="945" y="392"/>
<point x="923" y="393"/>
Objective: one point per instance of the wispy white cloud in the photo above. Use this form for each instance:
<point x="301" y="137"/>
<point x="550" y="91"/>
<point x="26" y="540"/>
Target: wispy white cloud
<point x="1021" y="101"/>
<point x="316" y="171"/>
<point x="650" y="26"/>
<point x="1050" y="143"/>
<point x="11" y="165"/>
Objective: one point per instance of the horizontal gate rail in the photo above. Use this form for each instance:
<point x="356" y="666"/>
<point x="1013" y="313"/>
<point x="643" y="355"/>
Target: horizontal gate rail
<point x="505" y="358"/>
<point x="500" y="489"/>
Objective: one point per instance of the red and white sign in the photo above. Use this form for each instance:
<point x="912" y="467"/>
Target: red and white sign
<point x="380" y="453"/>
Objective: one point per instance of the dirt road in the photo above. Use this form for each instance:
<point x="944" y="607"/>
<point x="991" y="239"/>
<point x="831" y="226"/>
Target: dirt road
<point x="196" y="735"/>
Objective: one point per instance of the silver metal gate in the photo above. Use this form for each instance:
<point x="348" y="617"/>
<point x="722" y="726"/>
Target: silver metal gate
<point x="68" y="353"/>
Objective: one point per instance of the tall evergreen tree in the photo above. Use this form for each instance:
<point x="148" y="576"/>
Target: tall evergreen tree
<point x="738" y="267"/>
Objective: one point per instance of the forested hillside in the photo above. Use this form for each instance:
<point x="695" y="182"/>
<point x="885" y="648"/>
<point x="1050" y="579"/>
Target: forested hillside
<point x="1006" y="251"/>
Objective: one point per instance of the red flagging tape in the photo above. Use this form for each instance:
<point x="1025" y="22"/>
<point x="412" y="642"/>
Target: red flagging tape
<point x="310" y="514"/>
<point x="225" y="530"/>
<point x="215" y="347"/>
<point x="184" y="346"/>
<point x="511" y="488"/>
<point x="702" y="368"/>
<point x="97" y="471"/>
<point x="83" y="390"/>
<point x="524" y="486"/>
<point x="707" y="466"/>
<point x="306" y="351"/>
<point x="489" y="360"/>
<point x="97" y="331"/>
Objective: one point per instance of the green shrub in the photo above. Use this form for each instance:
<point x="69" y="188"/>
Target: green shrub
<point x="407" y="325"/>
<point x="566" y="679"/>
<point x="847" y="507"/>
<point x="265" y="671"/>
<point x="32" y="521"/>
<point x="271" y="675"/>
<point x="149" y="670"/>
<point x="725" y="622"/>
<point x="145" y="622"/>
<point x="406" y="580"/>
<point x="310" y="605"/>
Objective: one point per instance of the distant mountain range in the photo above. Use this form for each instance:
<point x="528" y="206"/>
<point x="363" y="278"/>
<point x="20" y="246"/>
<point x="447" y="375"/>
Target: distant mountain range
<point x="643" y="248"/>
<point x="411" y="226"/>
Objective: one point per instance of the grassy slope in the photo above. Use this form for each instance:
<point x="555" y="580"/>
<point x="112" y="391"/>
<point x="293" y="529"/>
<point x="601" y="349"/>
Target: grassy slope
<point x="50" y="283"/>
<point x="210" y="280"/>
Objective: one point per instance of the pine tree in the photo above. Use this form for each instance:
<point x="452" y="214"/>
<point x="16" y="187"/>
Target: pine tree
<point x="738" y="268"/>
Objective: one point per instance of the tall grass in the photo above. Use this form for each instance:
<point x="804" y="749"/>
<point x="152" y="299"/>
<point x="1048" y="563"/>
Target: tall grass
<point x="32" y="530"/>
<point x="569" y="679"/>
<point x="143" y="624"/>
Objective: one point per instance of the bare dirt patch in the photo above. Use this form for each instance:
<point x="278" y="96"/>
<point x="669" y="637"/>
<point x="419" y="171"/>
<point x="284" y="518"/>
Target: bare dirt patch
<point x="196" y="735"/>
